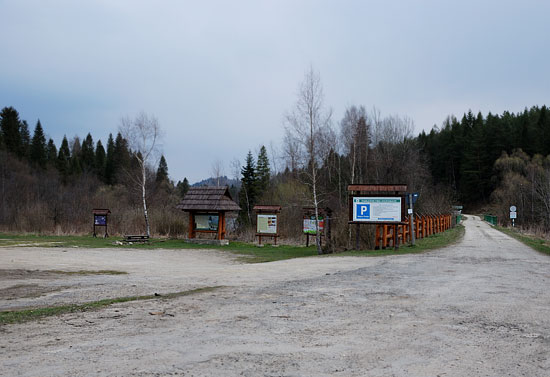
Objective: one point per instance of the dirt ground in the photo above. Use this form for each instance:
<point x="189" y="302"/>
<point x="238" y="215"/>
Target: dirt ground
<point x="478" y="308"/>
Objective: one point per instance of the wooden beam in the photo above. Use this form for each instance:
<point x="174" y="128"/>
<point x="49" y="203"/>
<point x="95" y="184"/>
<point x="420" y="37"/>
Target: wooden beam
<point x="378" y="188"/>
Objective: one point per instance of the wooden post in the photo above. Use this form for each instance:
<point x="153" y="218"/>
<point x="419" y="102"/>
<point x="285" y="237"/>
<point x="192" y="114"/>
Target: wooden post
<point x="395" y="237"/>
<point x="220" y="227"/>
<point x="411" y="219"/>
<point x="224" y="229"/>
<point x="357" y="236"/>
<point x="191" y="225"/>
<point x="328" y="225"/>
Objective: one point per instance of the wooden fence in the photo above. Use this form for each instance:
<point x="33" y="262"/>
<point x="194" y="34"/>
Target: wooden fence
<point x="424" y="226"/>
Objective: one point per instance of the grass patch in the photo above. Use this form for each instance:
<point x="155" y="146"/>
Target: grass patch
<point x="435" y="241"/>
<point x="19" y="316"/>
<point x="268" y="253"/>
<point x="249" y="253"/>
<point x="539" y="244"/>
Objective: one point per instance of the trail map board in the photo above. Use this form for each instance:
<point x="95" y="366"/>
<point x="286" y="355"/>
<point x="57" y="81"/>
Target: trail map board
<point x="377" y="209"/>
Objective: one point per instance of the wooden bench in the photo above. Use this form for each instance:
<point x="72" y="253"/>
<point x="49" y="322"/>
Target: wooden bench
<point x="136" y="238"/>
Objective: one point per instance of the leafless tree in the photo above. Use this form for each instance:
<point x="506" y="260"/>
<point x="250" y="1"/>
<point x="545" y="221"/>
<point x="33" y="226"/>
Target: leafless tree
<point x="142" y="133"/>
<point x="236" y="169"/>
<point x="217" y="170"/>
<point x="395" y="155"/>
<point x="304" y="128"/>
<point x="355" y="137"/>
<point x="274" y="158"/>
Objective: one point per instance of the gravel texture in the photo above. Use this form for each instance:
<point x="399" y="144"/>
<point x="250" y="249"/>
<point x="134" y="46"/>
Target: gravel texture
<point x="478" y="308"/>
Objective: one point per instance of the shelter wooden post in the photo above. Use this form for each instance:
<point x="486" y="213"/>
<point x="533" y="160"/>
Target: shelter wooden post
<point x="191" y="225"/>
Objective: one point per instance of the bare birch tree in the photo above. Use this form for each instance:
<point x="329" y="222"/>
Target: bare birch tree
<point x="217" y="171"/>
<point x="355" y="137"/>
<point x="142" y="134"/>
<point x="305" y="125"/>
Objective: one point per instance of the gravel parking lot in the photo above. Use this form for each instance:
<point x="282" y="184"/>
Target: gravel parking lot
<point x="477" y="308"/>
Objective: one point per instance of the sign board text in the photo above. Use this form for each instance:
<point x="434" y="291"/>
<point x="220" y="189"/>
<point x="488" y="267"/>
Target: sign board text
<point x="376" y="209"/>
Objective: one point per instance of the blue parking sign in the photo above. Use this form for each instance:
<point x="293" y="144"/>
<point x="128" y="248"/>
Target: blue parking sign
<point x="362" y="211"/>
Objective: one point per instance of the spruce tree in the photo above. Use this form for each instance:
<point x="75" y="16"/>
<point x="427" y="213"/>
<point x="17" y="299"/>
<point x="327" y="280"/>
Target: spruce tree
<point x="10" y="126"/>
<point x="63" y="159"/>
<point x="75" y="163"/>
<point x="87" y="155"/>
<point x="25" y="140"/>
<point x="162" y="171"/>
<point x="183" y="187"/>
<point x="110" y="162"/>
<point x="248" y="192"/>
<point x="38" y="152"/>
<point x="543" y="132"/>
<point x="263" y="172"/>
<point x="51" y="152"/>
<point x="121" y="157"/>
<point x="99" y="161"/>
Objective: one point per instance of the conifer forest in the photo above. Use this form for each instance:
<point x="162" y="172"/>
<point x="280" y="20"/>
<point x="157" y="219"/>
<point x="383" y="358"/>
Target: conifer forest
<point x="484" y="162"/>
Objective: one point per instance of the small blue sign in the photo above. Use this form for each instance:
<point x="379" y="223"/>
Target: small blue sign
<point x="362" y="211"/>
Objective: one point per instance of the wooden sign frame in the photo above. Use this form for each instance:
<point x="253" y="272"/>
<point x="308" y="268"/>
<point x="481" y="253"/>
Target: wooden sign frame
<point x="269" y="210"/>
<point x="377" y="191"/>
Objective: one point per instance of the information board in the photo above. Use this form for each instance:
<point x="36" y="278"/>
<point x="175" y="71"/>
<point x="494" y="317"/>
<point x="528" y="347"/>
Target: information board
<point x="267" y="224"/>
<point x="207" y="222"/>
<point x="376" y="209"/>
<point x="100" y="220"/>
<point x="309" y="224"/>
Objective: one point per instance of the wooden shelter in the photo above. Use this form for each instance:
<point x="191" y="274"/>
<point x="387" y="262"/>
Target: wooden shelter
<point x="267" y="222"/>
<point x="207" y="207"/>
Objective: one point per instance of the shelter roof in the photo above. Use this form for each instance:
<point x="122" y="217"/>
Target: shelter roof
<point x="267" y="208"/>
<point x="100" y="211"/>
<point x="208" y="198"/>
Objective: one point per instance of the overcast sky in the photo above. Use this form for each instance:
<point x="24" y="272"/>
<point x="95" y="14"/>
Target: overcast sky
<point x="220" y="75"/>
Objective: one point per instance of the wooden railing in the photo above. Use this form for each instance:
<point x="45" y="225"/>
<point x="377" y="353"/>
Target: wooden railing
<point x="424" y="226"/>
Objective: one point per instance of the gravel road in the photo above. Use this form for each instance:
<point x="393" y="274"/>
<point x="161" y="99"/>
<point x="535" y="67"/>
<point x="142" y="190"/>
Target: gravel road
<point x="478" y="308"/>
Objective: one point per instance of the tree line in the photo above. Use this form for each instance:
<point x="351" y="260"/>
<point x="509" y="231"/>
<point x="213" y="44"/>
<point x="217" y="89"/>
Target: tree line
<point x="319" y="157"/>
<point x="463" y="153"/>
<point x="470" y="161"/>
<point x="49" y="188"/>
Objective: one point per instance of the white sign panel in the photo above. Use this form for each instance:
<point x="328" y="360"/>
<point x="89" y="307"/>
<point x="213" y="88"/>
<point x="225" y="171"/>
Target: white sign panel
<point x="267" y="224"/>
<point x="376" y="209"/>
<point x="309" y="225"/>
<point x="513" y="208"/>
<point x="513" y="215"/>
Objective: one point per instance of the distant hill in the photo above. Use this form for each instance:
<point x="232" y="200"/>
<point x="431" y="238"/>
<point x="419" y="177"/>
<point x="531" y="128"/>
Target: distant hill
<point x="212" y="181"/>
